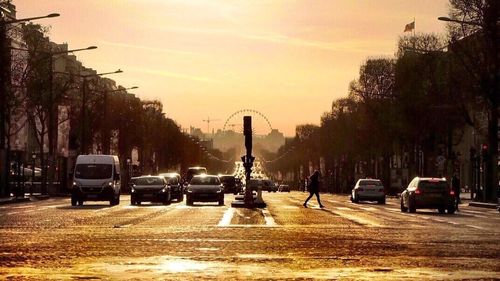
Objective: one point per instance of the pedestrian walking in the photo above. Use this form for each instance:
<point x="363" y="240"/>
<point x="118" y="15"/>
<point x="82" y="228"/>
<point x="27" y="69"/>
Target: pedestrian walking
<point x="313" y="188"/>
<point x="455" y="186"/>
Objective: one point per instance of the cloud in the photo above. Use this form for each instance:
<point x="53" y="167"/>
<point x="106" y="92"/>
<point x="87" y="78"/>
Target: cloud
<point x="147" y="48"/>
<point x="358" y="46"/>
<point x="174" y="75"/>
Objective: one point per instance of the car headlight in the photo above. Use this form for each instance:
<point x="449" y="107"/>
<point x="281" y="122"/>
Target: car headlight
<point x="107" y="184"/>
<point x="76" y="184"/>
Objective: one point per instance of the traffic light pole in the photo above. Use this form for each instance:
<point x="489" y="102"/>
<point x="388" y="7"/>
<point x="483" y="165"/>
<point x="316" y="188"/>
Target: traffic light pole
<point x="248" y="160"/>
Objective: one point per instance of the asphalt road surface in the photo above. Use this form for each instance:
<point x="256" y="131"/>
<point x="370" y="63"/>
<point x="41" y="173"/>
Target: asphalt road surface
<point x="51" y="240"/>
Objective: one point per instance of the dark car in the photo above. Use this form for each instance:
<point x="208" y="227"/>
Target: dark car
<point x="151" y="189"/>
<point x="229" y="183"/>
<point x="175" y="183"/>
<point x="205" y="188"/>
<point x="194" y="171"/>
<point x="428" y="193"/>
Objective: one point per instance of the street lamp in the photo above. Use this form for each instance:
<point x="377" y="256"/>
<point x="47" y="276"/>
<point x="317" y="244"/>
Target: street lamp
<point x="52" y="118"/>
<point x="83" y="144"/>
<point x="5" y="22"/>
<point x="447" y="19"/>
<point x="489" y="84"/>
<point x="105" y="132"/>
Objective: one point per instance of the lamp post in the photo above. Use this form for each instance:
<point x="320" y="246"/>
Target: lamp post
<point x="4" y="77"/>
<point x="53" y="115"/>
<point x="83" y="141"/>
<point x="105" y="132"/>
<point x="489" y="84"/>
<point x="6" y="22"/>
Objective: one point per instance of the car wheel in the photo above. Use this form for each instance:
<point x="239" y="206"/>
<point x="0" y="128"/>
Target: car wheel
<point x="138" y="202"/>
<point x="189" y="201"/>
<point x="74" y="200"/>
<point x="355" y="199"/>
<point x="381" y="201"/>
<point x="451" y="210"/>
<point x="403" y="208"/>
<point x="411" y="206"/>
<point x="117" y="200"/>
<point x="221" y="201"/>
<point x="80" y="202"/>
<point x="132" y="201"/>
<point x="180" y="198"/>
<point x="441" y="210"/>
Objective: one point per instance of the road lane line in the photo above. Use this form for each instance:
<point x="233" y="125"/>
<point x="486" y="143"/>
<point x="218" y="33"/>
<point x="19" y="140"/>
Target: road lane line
<point x="476" y="227"/>
<point x="354" y="218"/>
<point x="227" y="217"/>
<point x="268" y="217"/>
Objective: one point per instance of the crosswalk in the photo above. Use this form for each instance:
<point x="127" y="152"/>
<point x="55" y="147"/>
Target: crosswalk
<point x="283" y="211"/>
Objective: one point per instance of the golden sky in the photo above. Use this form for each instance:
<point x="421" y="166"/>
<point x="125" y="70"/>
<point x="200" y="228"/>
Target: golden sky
<point x="288" y="59"/>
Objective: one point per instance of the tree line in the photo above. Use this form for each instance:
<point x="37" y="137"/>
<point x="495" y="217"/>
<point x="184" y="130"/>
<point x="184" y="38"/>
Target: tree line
<point x="406" y="111"/>
<point x="46" y="88"/>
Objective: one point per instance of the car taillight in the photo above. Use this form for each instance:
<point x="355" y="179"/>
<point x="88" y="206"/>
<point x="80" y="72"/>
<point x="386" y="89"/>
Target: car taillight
<point x="452" y="192"/>
<point x="417" y="191"/>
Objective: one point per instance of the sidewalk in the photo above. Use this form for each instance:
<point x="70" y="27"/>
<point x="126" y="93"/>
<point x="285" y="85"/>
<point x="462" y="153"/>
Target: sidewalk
<point x="465" y="197"/>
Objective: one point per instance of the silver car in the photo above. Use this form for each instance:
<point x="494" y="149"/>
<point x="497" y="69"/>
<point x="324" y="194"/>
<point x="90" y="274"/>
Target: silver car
<point x="368" y="190"/>
<point x="205" y="188"/>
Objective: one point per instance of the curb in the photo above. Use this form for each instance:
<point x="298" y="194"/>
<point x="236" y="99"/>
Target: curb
<point x="483" y="205"/>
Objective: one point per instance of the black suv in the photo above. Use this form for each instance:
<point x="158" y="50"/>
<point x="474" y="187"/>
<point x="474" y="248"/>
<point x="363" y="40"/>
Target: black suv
<point x="428" y="193"/>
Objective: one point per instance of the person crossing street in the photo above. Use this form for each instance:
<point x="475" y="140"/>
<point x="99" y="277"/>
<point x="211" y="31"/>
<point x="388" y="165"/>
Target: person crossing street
<point x="313" y="188"/>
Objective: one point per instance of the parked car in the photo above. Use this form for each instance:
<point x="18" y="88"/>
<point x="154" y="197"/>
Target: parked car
<point x="96" y="178"/>
<point x="151" y="189"/>
<point x="284" y="188"/>
<point x="175" y="183"/>
<point x="268" y="185"/>
<point x="229" y="183"/>
<point x="205" y="188"/>
<point x="428" y="193"/>
<point x="368" y="190"/>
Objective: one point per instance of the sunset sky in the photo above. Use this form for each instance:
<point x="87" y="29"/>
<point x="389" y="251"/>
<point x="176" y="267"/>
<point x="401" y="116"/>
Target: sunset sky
<point x="286" y="59"/>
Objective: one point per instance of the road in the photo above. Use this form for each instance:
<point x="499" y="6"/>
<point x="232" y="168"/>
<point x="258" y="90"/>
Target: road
<point x="51" y="240"/>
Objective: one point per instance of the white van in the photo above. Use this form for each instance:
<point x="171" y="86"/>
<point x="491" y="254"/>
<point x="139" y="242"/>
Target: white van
<point x="96" y="178"/>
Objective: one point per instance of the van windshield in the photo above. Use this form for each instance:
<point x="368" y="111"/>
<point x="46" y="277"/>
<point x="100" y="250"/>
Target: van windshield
<point x="93" y="171"/>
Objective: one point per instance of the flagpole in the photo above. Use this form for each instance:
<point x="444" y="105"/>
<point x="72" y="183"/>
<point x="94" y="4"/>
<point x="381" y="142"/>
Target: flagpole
<point x="414" y="27"/>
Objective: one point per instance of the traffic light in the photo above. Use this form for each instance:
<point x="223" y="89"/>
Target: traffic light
<point x="484" y="150"/>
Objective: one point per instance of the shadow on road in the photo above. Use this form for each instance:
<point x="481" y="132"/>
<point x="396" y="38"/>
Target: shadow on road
<point x="84" y="207"/>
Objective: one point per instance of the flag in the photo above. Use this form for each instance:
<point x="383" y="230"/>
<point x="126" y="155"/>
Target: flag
<point x="410" y="26"/>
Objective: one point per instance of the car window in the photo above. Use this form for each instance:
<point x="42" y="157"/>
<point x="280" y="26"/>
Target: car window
<point x="205" y="181"/>
<point x="432" y="185"/>
<point x="147" y="181"/>
<point x="172" y="180"/>
<point x="370" y="182"/>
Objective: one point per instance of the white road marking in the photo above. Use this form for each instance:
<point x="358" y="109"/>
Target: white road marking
<point x="357" y="219"/>
<point x="344" y="208"/>
<point x="474" y="226"/>
<point x="226" y="219"/>
<point x="268" y="217"/>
